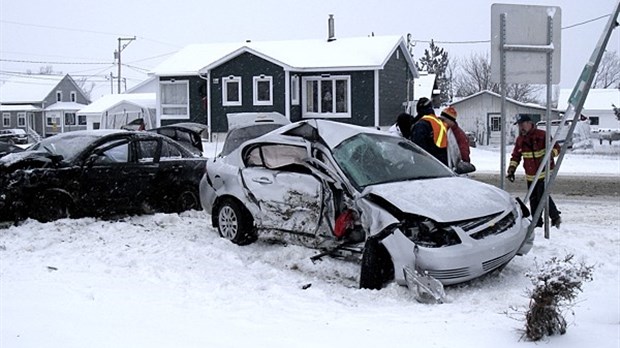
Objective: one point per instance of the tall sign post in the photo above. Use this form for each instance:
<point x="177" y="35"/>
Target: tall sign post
<point x="525" y="48"/>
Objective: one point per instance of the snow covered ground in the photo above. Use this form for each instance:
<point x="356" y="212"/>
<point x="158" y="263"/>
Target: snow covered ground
<point x="168" y="280"/>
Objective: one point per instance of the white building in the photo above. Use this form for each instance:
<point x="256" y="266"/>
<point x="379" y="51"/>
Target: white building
<point x="598" y="107"/>
<point x="116" y="110"/>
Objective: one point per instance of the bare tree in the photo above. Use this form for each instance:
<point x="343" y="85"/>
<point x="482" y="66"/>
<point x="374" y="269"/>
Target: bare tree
<point x="608" y="73"/>
<point x="85" y="86"/>
<point x="474" y="75"/>
<point x="48" y="70"/>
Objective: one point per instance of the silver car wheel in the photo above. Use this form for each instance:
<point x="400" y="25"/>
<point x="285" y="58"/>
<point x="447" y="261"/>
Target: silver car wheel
<point x="228" y="222"/>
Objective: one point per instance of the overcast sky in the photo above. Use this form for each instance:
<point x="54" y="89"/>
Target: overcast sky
<point x="40" y="33"/>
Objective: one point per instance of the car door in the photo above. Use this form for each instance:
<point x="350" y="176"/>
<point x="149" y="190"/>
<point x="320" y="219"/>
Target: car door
<point x="113" y="178"/>
<point x="290" y="198"/>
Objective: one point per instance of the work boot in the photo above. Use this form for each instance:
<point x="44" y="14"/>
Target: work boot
<point x="556" y="222"/>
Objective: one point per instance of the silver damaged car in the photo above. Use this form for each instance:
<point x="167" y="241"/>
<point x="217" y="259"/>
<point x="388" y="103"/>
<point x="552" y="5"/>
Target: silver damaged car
<point x="362" y="194"/>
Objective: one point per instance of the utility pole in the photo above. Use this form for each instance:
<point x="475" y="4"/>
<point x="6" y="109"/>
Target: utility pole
<point x="117" y="55"/>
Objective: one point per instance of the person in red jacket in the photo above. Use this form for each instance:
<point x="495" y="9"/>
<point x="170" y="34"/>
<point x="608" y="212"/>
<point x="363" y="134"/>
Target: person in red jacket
<point x="458" y="144"/>
<point x="531" y="145"/>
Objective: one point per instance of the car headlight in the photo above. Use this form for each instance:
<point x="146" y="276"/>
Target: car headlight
<point x="430" y="234"/>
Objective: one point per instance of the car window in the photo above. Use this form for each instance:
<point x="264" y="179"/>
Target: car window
<point x="276" y="156"/>
<point x="369" y="159"/>
<point x="115" y="152"/>
<point x="253" y="158"/>
<point x="170" y="152"/>
<point x="147" y="151"/>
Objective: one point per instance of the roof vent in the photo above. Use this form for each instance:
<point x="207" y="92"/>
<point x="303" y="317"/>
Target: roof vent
<point x="331" y="36"/>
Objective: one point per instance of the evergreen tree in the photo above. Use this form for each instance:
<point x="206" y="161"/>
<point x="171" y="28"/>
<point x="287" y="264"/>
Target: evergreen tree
<point x="436" y="61"/>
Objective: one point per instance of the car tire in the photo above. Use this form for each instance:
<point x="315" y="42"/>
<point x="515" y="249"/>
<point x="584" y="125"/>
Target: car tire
<point x="377" y="267"/>
<point x="235" y="223"/>
<point x="50" y="207"/>
<point x="187" y="200"/>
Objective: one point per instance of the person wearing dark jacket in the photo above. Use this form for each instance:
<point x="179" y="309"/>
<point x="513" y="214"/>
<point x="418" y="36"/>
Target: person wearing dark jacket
<point x="403" y="125"/>
<point x="429" y="132"/>
<point x="531" y="146"/>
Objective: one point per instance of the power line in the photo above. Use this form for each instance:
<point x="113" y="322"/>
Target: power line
<point x="153" y="57"/>
<point x="586" y="22"/>
<point x="40" y="76"/>
<point x="82" y="31"/>
<point x="47" y="62"/>
<point x="488" y="41"/>
<point x="59" y="28"/>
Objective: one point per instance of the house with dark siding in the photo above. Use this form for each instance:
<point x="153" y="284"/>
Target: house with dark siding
<point x="365" y="81"/>
<point x="42" y="105"/>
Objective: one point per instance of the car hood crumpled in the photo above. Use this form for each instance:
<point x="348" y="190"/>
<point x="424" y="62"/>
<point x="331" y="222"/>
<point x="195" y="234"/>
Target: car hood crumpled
<point x="17" y="157"/>
<point x="444" y="199"/>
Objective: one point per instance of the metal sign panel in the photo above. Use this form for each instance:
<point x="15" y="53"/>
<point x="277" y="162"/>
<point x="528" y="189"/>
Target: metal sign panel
<point x="526" y="31"/>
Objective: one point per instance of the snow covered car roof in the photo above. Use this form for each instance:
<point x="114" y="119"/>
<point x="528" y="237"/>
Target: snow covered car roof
<point x="333" y="133"/>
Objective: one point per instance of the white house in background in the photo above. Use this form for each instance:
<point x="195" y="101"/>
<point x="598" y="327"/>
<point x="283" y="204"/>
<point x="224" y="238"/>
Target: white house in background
<point x="116" y="110"/>
<point x="598" y="107"/>
<point x="480" y="113"/>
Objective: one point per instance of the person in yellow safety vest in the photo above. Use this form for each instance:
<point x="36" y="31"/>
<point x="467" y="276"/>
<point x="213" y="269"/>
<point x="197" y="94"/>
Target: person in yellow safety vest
<point x="430" y="132"/>
<point x="531" y="145"/>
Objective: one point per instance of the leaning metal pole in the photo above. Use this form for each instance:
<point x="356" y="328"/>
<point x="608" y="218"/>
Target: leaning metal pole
<point x="576" y="101"/>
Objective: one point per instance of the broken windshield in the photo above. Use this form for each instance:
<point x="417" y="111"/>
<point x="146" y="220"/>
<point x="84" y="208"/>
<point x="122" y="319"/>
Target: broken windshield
<point x="370" y="159"/>
<point x="68" y="146"/>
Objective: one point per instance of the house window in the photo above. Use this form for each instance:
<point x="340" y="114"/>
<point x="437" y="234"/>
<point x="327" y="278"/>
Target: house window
<point x="21" y="119"/>
<point x="263" y="90"/>
<point x="295" y="90"/>
<point x="81" y="120"/>
<point x="594" y="120"/>
<point x="52" y="120"/>
<point x="175" y="99"/>
<point x="6" y="119"/>
<point x="231" y="91"/>
<point x="496" y="123"/>
<point x="58" y="96"/>
<point x="69" y="119"/>
<point x="73" y="96"/>
<point x="325" y="96"/>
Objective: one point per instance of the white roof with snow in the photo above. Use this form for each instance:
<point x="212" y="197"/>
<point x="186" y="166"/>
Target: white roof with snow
<point x="361" y="53"/>
<point x="19" y="107"/>
<point x="65" y="106"/>
<point x="510" y="100"/>
<point x="424" y="86"/>
<point x="145" y="100"/>
<point x="597" y="99"/>
<point x="28" y="88"/>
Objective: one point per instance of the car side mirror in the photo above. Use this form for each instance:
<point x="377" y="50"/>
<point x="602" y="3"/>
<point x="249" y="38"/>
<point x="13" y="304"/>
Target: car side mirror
<point x="464" y="167"/>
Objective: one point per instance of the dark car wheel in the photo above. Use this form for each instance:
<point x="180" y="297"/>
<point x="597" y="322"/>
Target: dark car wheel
<point x="377" y="267"/>
<point x="235" y="223"/>
<point x="187" y="200"/>
<point x="50" y="207"/>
